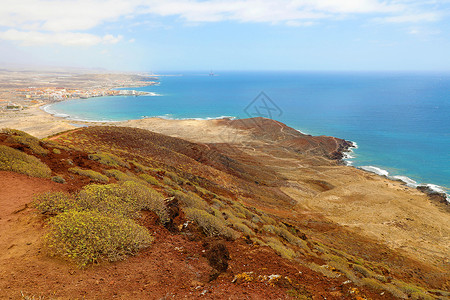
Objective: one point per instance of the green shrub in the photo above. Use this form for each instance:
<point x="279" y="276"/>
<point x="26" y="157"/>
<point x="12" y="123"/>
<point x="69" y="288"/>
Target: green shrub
<point x="282" y="250"/>
<point x="244" y="229"/>
<point x="373" y="284"/>
<point x="362" y="270"/>
<point x="177" y="179"/>
<point x="170" y="182"/>
<point x="56" y="151"/>
<point x="191" y="200"/>
<point x="394" y="291"/>
<point x="119" y="175"/>
<point x="90" y="237"/>
<point x="89" y="173"/>
<point x="139" y="167"/>
<point x="20" y="137"/>
<point x="244" y="211"/>
<point x="54" y="202"/>
<point x="17" y="161"/>
<point x="323" y="269"/>
<point x="109" y="159"/>
<point x="145" y="198"/>
<point x="58" y="179"/>
<point x="211" y="225"/>
<point x="150" y="179"/>
<point x="126" y="199"/>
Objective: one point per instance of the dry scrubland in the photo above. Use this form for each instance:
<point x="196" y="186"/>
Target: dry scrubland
<point x="104" y="212"/>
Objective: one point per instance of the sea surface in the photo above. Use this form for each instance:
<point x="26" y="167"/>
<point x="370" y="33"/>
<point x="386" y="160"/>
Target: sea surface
<point x="400" y="121"/>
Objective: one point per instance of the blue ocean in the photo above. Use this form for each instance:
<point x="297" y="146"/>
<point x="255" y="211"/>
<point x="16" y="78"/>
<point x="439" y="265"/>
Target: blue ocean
<point x="400" y="121"/>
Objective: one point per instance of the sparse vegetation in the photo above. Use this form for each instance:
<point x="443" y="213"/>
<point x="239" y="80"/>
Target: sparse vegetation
<point x="58" y="179"/>
<point x="211" y="225"/>
<point x="149" y="179"/>
<point x="109" y="159"/>
<point x="282" y="250"/>
<point x="89" y="173"/>
<point x="191" y="200"/>
<point x="23" y="138"/>
<point x="17" y="161"/>
<point x="120" y="176"/>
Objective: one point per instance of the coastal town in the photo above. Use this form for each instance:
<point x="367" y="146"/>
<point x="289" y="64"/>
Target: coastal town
<point x="44" y="89"/>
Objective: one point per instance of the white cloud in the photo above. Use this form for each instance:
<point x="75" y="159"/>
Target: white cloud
<point x="67" y="22"/>
<point x="31" y="38"/>
<point x="411" y="18"/>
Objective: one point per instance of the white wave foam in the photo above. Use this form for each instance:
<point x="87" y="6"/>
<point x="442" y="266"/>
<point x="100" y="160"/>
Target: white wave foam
<point x="408" y="181"/>
<point x="170" y="117"/>
<point x="375" y="170"/>
<point x="436" y="188"/>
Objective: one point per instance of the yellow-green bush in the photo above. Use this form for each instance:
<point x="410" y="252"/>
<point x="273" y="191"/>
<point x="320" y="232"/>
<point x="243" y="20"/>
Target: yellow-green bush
<point x="150" y="179"/>
<point x="119" y="175"/>
<point x="244" y="229"/>
<point x="286" y="235"/>
<point x="125" y="199"/>
<point x="109" y="159"/>
<point x="20" y="137"/>
<point x="177" y="179"/>
<point x="210" y="224"/>
<point x="282" y="250"/>
<point x="145" y="198"/>
<point x="17" y="161"/>
<point x="55" y="202"/>
<point x="56" y="151"/>
<point x="140" y="167"/>
<point x="244" y="211"/>
<point x="89" y="173"/>
<point x="191" y="200"/>
<point x="90" y="237"/>
<point x="170" y="182"/>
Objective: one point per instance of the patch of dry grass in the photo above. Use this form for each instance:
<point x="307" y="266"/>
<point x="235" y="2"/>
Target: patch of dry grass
<point x="89" y="173"/>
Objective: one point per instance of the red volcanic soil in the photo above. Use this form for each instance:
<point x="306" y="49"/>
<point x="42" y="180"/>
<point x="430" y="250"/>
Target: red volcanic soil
<point x="174" y="266"/>
<point x="182" y="262"/>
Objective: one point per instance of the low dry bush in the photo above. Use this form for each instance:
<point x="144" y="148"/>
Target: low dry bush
<point x="109" y="159"/>
<point x="119" y="175"/>
<point x="281" y="249"/>
<point x="58" y="179"/>
<point x="211" y="225"/>
<point x="23" y="138"/>
<point x="53" y="203"/>
<point x="90" y="237"/>
<point x="169" y="182"/>
<point x="244" y="229"/>
<point x="191" y="200"/>
<point x="139" y="167"/>
<point x="17" y="161"/>
<point x="323" y="269"/>
<point x="149" y="179"/>
<point x="177" y="179"/>
<point x="89" y="173"/>
<point x="286" y="235"/>
<point x="126" y="199"/>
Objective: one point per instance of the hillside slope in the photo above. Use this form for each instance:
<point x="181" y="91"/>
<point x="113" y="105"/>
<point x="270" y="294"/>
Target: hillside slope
<point x="290" y="221"/>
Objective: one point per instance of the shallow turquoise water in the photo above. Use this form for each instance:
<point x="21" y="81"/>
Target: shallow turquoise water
<point x="401" y="122"/>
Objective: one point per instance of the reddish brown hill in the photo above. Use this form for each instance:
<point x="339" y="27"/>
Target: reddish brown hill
<point x="280" y="185"/>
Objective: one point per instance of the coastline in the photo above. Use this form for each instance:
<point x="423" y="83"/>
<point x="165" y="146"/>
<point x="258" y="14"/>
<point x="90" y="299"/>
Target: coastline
<point x="40" y="122"/>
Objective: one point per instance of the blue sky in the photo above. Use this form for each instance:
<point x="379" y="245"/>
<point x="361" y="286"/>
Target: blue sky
<point x="164" y="35"/>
